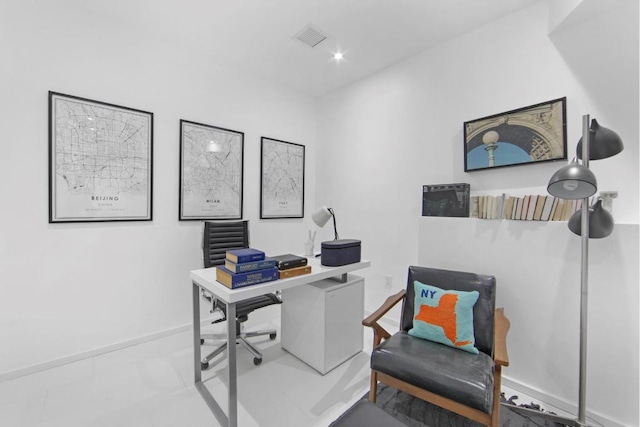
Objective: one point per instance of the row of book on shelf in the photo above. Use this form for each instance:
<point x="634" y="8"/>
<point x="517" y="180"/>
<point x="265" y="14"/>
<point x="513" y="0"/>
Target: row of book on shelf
<point x="250" y="266"/>
<point x="530" y="207"/>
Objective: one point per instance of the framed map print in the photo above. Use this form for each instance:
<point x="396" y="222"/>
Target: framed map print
<point x="282" y="179"/>
<point x="100" y="161"/>
<point x="211" y="167"/>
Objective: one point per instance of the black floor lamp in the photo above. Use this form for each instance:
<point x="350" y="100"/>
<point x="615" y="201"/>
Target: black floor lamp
<point x="576" y="181"/>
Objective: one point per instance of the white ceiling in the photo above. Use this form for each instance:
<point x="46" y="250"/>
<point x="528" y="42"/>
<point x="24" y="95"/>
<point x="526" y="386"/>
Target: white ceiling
<point x="259" y="35"/>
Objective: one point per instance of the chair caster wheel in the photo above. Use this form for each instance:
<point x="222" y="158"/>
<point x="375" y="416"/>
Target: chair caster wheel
<point x="257" y="361"/>
<point x="204" y="366"/>
<point x="272" y="336"/>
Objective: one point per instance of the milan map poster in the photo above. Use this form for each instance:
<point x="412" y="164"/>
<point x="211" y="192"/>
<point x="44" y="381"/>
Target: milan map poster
<point x="100" y="161"/>
<point x="211" y="168"/>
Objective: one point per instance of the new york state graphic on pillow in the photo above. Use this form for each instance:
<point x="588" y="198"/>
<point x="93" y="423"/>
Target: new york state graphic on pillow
<point x="444" y="316"/>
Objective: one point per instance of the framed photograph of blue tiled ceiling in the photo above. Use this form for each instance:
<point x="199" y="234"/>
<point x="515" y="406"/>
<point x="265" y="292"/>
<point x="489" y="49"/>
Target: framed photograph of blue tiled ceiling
<point x="211" y="171"/>
<point x="100" y="161"/>
<point x="533" y="134"/>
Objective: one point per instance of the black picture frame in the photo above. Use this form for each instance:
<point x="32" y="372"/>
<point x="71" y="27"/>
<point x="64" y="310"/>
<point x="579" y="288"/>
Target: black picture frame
<point x="529" y="135"/>
<point x="282" y="170"/>
<point x="211" y="172"/>
<point x="450" y="200"/>
<point x="100" y="161"/>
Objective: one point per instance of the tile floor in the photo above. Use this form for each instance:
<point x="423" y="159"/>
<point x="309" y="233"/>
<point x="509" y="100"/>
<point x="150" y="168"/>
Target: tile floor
<point x="151" y="385"/>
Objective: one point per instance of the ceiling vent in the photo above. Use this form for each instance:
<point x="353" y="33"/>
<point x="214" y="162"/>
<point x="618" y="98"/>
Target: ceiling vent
<point x="311" y="36"/>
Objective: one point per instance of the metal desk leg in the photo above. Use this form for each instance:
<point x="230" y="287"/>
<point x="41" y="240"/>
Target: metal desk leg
<point x="197" y="368"/>
<point x="197" y="371"/>
<point x="231" y="365"/>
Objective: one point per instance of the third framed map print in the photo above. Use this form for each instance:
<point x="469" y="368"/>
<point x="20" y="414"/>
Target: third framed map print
<point x="282" y="179"/>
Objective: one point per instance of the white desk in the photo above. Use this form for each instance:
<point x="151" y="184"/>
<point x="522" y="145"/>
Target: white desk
<point x="206" y="279"/>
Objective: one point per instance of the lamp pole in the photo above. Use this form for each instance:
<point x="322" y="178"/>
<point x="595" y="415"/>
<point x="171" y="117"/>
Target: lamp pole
<point x="584" y="282"/>
<point x="577" y="182"/>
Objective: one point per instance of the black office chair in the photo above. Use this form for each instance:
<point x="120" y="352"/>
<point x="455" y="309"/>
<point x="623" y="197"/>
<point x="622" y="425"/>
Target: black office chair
<point x="218" y="238"/>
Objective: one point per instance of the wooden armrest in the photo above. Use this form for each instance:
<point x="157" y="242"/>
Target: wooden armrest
<point x="502" y="325"/>
<point x="384" y="308"/>
<point x="372" y="320"/>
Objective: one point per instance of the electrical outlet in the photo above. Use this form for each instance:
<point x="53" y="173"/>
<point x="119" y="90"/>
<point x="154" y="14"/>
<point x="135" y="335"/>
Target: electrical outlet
<point x="388" y="280"/>
<point x="612" y="194"/>
<point x="607" y="200"/>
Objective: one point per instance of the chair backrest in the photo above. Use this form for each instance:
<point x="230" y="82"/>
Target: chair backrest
<point x="483" y="311"/>
<point x="219" y="237"/>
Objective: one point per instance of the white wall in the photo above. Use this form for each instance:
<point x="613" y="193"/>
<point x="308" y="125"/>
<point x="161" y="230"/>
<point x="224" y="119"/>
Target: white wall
<point x="71" y="288"/>
<point x="380" y="140"/>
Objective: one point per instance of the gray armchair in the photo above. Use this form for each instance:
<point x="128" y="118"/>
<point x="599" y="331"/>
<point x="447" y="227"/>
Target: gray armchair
<point x="461" y="382"/>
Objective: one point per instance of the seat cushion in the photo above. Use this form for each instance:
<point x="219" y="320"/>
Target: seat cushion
<point x="366" y="414"/>
<point x="457" y="375"/>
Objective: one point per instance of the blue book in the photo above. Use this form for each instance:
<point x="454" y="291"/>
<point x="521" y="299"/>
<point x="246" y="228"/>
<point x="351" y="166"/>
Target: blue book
<point x="244" y="255"/>
<point x="244" y="267"/>
<point x="238" y="280"/>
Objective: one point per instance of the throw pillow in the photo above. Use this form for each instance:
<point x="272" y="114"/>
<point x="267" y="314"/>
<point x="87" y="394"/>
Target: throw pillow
<point x="444" y="316"/>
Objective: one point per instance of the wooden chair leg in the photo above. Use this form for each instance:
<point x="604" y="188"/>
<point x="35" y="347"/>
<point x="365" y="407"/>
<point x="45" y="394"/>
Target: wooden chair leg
<point x="373" y="388"/>
<point x="495" y="411"/>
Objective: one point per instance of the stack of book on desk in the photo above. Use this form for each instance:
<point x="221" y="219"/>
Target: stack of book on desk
<point x="290" y="265"/>
<point x="245" y="267"/>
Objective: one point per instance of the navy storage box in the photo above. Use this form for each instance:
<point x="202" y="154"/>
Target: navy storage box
<point x="340" y="252"/>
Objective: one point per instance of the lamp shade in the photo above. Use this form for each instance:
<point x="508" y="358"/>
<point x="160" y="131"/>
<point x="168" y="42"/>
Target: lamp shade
<point x="573" y="181"/>
<point x="603" y="142"/>
<point x="600" y="221"/>
<point x="321" y="216"/>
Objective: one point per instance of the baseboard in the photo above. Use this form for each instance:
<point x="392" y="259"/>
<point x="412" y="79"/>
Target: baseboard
<point x="557" y="402"/>
<point x="32" y="369"/>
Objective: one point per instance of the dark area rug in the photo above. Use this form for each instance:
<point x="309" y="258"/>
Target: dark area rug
<point x="418" y="413"/>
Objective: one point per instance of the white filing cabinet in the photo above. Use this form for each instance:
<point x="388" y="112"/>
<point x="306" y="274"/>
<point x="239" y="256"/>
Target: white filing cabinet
<point x="322" y="321"/>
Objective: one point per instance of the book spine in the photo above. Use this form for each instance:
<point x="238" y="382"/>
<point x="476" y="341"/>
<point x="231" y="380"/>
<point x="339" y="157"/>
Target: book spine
<point x="539" y="206"/>
<point x="239" y="259"/>
<point x="546" y="210"/>
<point x="475" y="205"/>
<point x="285" y="265"/>
<point x="245" y="267"/>
<point x="233" y="280"/>
<point x="292" y="272"/>
<point x="244" y="255"/>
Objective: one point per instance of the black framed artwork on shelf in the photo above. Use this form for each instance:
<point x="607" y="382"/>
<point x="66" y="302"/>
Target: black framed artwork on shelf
<point x="446" y="200"/>
<point x="100" y="161"/>
<point x="533" y="134"/>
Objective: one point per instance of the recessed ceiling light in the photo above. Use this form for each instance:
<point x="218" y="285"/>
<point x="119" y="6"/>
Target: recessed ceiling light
<point x="338" y="56"/>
